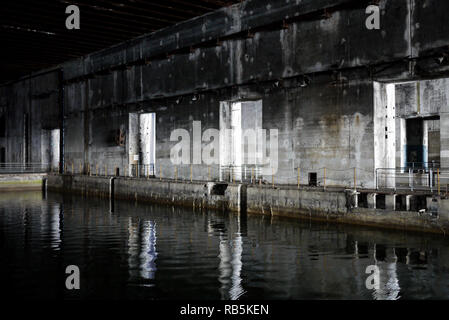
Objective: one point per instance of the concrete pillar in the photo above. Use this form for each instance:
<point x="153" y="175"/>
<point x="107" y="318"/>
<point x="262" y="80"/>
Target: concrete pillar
<point x="433" y="205"/>
<point x="372" y="200"/>
<point x="353" y="198"/>
<point x="416" y="203"/>
<point x="444" y="139"/>
<point x="390" y="202"/>
<point x="406" y="202"/>
<point x="442" y="208"/>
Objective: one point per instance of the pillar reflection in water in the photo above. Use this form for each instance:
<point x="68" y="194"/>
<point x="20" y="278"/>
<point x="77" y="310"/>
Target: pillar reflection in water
<point x="51" y="224"/>
<point x="389" y="283"/>
<point x="142" y="252"/>
<point x="230" y="265"/>
<point x="133" y="248"/>
<point x="148" y="250"/>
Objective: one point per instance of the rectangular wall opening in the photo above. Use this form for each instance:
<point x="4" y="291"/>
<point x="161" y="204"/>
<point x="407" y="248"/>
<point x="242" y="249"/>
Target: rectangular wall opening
<point x="2" y="126"/>
<point x="416" y="147"/>
<point x="147" y="143"/>
<point x="409" y="131"/>
<point x="418" y="109"/>
<point x="142" y="144"/>
<point x="240" y="123"/>
<point x="313" y="179"/>
<point x="2" y="156"/>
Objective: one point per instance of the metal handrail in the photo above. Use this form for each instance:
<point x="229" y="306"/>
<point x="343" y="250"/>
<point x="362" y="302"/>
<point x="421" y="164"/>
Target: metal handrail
<point x="412" y="179"/>
<point x="14" y="167"/>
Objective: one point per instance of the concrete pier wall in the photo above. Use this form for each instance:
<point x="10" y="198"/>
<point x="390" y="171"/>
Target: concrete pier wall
<point x="337" y="206"/>
<point x="17" y="182"/>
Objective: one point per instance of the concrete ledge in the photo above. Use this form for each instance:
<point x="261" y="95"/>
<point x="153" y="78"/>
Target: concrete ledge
<point x="17" y="182"/>
<point x="330" y="205"/>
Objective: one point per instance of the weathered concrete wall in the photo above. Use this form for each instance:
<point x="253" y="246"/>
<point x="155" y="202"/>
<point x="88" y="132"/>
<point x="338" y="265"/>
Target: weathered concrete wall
<point x="196" y="195"/>
<point x="337" y="206"/>
<point x="85" y="185"/>
<point x="38" y="99"/>
<point x="17" y="182"/>
<point x="240" y="52"/>
<point x="185" y="194"/>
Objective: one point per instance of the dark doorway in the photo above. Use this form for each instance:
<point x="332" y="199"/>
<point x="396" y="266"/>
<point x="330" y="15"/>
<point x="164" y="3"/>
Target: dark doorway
<point x="2" y="156"/>
<point x="416" y="149"/>
<point x="313" y="179"/>
<point x="2" y="126"/>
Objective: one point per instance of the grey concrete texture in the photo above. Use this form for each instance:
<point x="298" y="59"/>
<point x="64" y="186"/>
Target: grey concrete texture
<point x="182" y="73"/>
<point x="325" y="205"/>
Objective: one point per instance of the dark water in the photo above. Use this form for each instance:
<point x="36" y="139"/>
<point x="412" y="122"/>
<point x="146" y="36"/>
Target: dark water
<point x="151" y="252"/>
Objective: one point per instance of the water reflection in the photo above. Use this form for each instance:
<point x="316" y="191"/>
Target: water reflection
<point x="151" y="252"/>
<point x="389" y="288"/>
<point x="230" y="265"/>
<point x="148" y="250"/>
<point x="142" y="249"/>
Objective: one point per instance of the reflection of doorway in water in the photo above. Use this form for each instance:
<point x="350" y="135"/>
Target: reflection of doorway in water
<point x="142" y="249"/>
<point x="230" y="266"/>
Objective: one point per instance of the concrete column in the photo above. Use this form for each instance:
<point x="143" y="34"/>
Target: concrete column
<point x="444" y="139"/>
<point x="372" y="200"/>
<point x="416" y="203"/>
<point x="433" y="205"/>
<point x="401" y="141"/>
<point x="353" y="198"/>
<point x="406" y="202"/>
<point x="390" y="202"/>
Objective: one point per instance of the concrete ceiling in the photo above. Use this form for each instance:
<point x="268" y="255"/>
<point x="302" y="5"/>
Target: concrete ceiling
<point x="33" y="34"/>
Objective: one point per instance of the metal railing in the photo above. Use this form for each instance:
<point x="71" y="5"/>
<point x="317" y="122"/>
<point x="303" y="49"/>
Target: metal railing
<point x="142" y="170"/>
<point x="243" y="173"/>
<point x="422" y="165"/>
<point x="11" y="168"/>
<point x="416" y="177"/>
<point x="413" y="178"/>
